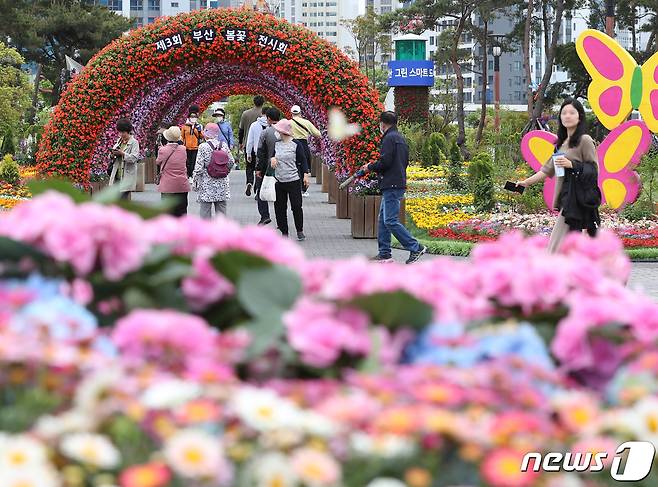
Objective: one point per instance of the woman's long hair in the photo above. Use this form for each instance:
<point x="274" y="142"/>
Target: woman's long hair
<point x="581" y="128"/>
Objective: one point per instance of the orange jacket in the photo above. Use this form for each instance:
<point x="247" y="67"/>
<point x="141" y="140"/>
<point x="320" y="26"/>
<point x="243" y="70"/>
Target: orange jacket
<point x="191" y="136"/>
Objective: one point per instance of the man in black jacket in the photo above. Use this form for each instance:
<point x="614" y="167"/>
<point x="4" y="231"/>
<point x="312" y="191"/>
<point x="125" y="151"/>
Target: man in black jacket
<point x="264" y="153"/>
<point x="391" y="170"/>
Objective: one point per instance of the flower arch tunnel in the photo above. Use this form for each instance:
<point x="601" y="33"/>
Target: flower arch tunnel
<point x="153" y="74"/>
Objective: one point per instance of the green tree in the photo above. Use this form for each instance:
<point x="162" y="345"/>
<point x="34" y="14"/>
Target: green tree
<point x="481" y="181"/>
<point x="44" y="31"/>
<point x="14" y="94"/>
<point x="434" y="150"/>
<point x="455" y="178"/>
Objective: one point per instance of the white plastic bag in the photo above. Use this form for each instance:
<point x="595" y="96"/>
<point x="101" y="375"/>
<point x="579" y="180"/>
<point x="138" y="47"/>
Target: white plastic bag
<point x="267" y="189"/>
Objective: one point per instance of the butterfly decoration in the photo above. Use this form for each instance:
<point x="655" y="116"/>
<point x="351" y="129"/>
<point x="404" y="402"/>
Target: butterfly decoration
<point x="618" y="84"/>
<point x="618" y="155"/>
<point x="338" y="127"/>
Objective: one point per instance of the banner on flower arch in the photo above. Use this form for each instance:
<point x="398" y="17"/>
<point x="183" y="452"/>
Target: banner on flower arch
<point x="154" y="73"/>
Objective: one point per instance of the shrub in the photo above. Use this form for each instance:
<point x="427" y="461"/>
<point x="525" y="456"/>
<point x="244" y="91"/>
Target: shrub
<point x="9" y="170"/>
<point x="639" y="210"/>
<point x="455" y="179"/>
<point x="434" y="150"/>
<point x="481" y="182"/>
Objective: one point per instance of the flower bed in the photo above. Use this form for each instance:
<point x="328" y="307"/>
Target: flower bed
<point x="436" y="211"/>
<point x="189" y="352"/>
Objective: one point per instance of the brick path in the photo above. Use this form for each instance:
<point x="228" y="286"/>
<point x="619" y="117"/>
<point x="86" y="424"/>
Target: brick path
<point x="329" y="237"/>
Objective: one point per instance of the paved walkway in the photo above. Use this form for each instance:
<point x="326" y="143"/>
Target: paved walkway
<point x="329" y="237"/>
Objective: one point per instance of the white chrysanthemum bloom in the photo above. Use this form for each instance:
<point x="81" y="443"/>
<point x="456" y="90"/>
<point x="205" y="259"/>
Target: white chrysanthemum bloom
<point x="386" y="482"/>
<point x="318" y="424"/>
<point x="273" y="470"/>
<point x="315" y="468"/>
<point x="385" y="446"/>
<point x="41" y="476"/>
<point x="21" y="452"/>
<point x="73" y="421"/>
<point x="91" y="390"/>
<point x="170" y="394"/>
<point x="642" y="420"/>
<point x="91" y="449"/>
<point x="195" y="454"/>
<point x="264" y="410"/>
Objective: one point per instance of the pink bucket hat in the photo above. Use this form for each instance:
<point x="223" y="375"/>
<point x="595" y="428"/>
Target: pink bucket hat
<point x="284" y="127"/>
<point x="211" y="131"/>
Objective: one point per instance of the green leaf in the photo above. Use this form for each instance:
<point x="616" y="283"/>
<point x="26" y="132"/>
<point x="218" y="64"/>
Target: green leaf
<point x="371" y="364"/>
<point x="171" y="272"/>
<point x="395" y="309"/>
<point x="40" y="186"/>
<point x="265" y="291"/>
<point x="266" y="332"/>
<point x="108" y="195"/>
<point x="13" y="250"/>
<point x="233" y="263"/>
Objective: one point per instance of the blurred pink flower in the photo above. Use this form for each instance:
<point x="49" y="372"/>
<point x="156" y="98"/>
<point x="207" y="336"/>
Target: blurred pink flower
<point x="205" y="286"/>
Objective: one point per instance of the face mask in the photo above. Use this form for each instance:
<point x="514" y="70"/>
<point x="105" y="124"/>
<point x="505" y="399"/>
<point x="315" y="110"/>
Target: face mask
<point x="220" y="119"/>
<point x="193" y="120"/>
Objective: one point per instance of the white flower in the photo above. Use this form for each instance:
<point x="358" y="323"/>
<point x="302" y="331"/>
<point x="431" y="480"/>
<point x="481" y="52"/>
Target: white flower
<point x="93" y="387"/>
<point x="385" y="446"/>
<point x="315" y="468"/>
<point x="273" y="470"/>
<point x="264" y="410"/>
<point x="21" y="452"/>
<point x="195" y="454"/>
<point x="318" y="424"/>
<point x="642" y="420"/>
<point x="386" y="482"/>
<point x="41" y="476"/>
<point x="170" y="394"/>
<point x="92" y="449"/>
<point x="74" y="421"/>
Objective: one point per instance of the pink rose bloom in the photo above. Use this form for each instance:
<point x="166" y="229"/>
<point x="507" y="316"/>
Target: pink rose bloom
<point x="205" y="286"/>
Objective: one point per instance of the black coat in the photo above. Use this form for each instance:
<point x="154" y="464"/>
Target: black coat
<point x="391" y="168"/>
<point x="580" y="196"/>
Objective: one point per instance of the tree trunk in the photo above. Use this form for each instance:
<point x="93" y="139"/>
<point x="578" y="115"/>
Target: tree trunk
<point x="32" y="114"/>
<point x="550" y="60"/>
<point x="485" y="78"/>
<point x="454" y="59"/>
<point x="526" y="55"/>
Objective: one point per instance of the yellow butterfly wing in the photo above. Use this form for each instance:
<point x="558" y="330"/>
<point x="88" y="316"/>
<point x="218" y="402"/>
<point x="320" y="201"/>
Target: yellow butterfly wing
<point x="611" y="68"/>
<point x="649" y="104"/>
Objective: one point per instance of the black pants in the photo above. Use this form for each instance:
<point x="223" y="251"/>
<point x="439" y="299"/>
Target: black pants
<point x="250" y="167"/>
<point x="180" y="208"/>
<point x="191" y="161"/>
<point x="263" y="206"/>
<point x="307" y="152"/>
<point x="292" y="191"/>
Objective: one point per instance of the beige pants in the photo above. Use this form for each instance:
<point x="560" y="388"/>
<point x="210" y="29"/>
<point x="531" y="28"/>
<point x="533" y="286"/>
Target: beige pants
<point x="560" y="231"/>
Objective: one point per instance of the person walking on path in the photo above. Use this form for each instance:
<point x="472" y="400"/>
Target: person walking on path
<point x="577" y="195"/>
<point x="265" y="152"/>
<point x="391" y="169"/>
<point x="172" y="161"/>
<point x="225" y="129"/>
<point x="302" y="130"/>
<point x="212" y="191"/>
<point x="125" y="156"/>
<point x="192" y="135"/>
<point x="288" y="161"/>
<point x="248" y="117"/>
<point x="252" y="144"/>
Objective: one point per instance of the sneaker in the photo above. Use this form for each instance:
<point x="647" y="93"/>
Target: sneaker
<point x="380" y="259"/>
<point x="248" y="190"/>
<point x="300" y="236"/>
<point x="414" y="256"/>
<point x="264" y="221"/>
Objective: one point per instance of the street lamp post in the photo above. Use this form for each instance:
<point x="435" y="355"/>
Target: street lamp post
<point x="496" y="50"/>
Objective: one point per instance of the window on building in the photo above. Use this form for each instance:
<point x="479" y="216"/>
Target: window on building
<point x="116" y="5"/>
<point x="136" y="5"/>
<point x="490" y="64"/>
<point x="174" y="4"/>
<point x="154" y="4"/>
<point x="151" y="20"/>
<point x="468" y="97"/>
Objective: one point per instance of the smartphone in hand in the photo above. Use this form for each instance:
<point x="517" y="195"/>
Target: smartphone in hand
<point x="512" y="186"/>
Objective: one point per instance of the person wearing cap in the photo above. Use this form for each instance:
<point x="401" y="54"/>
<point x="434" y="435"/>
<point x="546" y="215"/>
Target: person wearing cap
<point x="289" y="158"/>
<point x="172" y="162"/>
<point x="225" y="129"/>
<point x="192" y="135"/>
<point x="302" y="130"/>
<point x="211" y="191"/>
<point x="125" y="156"/>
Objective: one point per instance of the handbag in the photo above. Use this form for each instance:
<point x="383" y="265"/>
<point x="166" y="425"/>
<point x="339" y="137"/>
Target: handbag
<point x="267" y="188"/>
<point x="159" y="174"/>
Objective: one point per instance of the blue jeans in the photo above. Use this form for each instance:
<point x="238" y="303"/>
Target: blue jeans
<point x="389" y="223"/>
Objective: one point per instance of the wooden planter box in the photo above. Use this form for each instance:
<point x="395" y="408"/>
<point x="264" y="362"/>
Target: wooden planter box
<point x="141" y="170"/>
<point x="149" y="170"/>
<point x="314" y="166"/>
<point x="326" y="175"/>
<point x="364" y="211"/>
<point x="318" y="172"/>
<point x="333" y="188"/>
<point x="97" y="186"/>
<point x="343" y="204"/>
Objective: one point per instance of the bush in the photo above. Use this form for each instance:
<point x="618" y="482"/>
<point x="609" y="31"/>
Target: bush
<point x="639" y="210"/>
<point x="9" y="170"/>
<point x="455" y="179"/>
<point x="532" y="200"/>
<point x="481" y="182"/>
<point x="434" y="150"/>
<point x="415" y="136"/>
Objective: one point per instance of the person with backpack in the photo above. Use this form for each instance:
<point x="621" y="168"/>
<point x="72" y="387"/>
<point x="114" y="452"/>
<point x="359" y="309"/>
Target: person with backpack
<point x="210" y="177"/>
<point x="192" y="135"/>
<point x="289" y="162"/>
<point x="172" y="179"/>
<point x="302" y="130"/>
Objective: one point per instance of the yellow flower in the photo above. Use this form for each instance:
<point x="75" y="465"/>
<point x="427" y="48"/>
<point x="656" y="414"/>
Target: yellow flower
<point x="417" y="173"/>
<point x="438" y="211"/>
